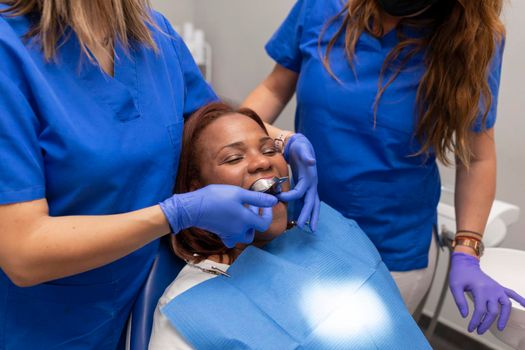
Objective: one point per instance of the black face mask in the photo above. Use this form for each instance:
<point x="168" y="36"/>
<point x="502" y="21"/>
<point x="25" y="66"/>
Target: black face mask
<point x="402" y="8"/>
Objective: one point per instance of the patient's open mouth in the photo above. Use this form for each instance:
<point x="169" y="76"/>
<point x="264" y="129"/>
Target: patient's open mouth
<point x="269" y="185"/>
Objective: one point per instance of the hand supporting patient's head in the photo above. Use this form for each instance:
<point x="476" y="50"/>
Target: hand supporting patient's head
<point x="221" y="145"/>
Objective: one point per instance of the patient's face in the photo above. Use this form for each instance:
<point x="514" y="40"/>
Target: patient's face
<point x="234" y="150"/>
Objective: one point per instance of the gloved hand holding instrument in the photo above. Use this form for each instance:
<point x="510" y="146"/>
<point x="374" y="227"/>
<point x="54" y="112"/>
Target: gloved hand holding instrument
<point x="299" y="153"/>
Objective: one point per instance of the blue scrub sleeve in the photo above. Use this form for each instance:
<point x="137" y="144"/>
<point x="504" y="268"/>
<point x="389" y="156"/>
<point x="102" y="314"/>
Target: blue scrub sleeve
<point x="494" y="78"/>
<point x="284" y="46"/>
<point x="197" y="92"/>
<point x="21" y="161"/>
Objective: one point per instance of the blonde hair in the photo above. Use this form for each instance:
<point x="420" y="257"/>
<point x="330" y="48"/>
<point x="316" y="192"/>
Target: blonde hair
<point x="459" y="48"/>
<point x="95" y="22"/>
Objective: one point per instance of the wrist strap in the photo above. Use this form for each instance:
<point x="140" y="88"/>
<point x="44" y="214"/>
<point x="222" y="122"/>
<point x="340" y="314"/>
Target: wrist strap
<point x="471" y="232"/>
<point x="474" y="243"/>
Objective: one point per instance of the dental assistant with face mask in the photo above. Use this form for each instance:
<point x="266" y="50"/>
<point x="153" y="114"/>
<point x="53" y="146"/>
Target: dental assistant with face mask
<point x="385" y="89"/>
<point x="93" y="96"/>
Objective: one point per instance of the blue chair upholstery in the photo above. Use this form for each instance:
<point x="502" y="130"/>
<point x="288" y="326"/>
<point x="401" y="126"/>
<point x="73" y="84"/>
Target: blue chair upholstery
<point x="164" y="269"/>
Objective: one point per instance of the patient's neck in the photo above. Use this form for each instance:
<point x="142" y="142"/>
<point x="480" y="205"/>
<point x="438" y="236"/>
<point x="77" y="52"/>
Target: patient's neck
<point x="226" y="259"/>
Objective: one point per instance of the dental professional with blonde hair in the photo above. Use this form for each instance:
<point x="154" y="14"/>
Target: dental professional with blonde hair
<point x="93" y="99"/>
<point x="385" y="90"/>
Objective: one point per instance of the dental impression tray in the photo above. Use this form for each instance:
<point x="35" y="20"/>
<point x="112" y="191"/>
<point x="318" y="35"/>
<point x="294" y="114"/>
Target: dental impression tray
<point x="270" y="186"/>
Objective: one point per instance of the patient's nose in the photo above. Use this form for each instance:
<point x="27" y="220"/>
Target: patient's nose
<point x="259" y="162"/>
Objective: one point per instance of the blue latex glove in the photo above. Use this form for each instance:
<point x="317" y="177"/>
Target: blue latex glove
<point x="220" y="209"/>
<point x="488" y="295"/>
<point x="299" y="153"/>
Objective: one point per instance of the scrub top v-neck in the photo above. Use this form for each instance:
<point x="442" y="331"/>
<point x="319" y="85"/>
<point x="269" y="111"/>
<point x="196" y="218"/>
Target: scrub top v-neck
<point x="90" y="144"/>
<point x="365" y="160"/>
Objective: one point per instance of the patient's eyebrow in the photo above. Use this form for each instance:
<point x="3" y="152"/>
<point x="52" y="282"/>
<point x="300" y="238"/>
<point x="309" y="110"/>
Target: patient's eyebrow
<point x="238" y="144"/>
<point x="265" y="139"/>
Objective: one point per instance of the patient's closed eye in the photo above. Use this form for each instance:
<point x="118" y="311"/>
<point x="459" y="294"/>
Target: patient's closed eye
<point x="233" y="159"/>
<point x="268" y="147"/>
<point x="269" y="151"/>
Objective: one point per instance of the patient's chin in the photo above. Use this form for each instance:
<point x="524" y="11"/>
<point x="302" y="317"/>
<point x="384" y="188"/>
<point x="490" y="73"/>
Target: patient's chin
<point x="278" y="226"/>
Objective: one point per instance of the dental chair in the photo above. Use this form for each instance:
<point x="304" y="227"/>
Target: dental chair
<point x="164" y="269"/>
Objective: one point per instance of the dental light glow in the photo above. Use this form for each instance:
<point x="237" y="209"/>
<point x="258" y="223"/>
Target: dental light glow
<point x="349" y="314"/>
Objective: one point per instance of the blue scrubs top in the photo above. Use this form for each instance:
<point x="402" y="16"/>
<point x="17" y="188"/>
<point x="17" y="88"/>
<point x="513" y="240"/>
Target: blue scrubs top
<point x="90" y="144"/>
<point x="365" y="170"/>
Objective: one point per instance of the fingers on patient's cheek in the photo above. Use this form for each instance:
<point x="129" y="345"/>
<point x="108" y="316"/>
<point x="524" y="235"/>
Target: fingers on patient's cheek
<point x="290" y="196"/>
<point x="250" y="235"/>
<point x="267" y="213"/>
<point x="254" y="209"/>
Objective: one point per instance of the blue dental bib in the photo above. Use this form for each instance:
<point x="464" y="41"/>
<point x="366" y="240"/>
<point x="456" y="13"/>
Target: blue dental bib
<point x="322" y="290"/>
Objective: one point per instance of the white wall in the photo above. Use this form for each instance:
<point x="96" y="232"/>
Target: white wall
<point x="177" y="11"/>
<point x="238" y="30"/>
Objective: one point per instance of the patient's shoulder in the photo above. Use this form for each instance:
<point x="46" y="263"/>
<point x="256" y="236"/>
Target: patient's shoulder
<point x="164" y="335"/>
<point x="187" y="278"/>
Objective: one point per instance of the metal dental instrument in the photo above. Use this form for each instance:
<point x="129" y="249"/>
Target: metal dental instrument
<point x="270" y="186"/>
<point x="213" y="270"/>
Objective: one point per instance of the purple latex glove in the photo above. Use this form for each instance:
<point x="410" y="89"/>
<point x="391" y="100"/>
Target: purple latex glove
<point x="299" y="153"/>
<point x="488" y="295"/>
<point x="220" y="209"/>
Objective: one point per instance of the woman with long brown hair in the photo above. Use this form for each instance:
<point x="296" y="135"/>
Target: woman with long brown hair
<point x="385" y="89"/>
<point x="93" y="95"/>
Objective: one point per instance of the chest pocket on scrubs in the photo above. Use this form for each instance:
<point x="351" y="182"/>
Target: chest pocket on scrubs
<point x="175" y="134"/>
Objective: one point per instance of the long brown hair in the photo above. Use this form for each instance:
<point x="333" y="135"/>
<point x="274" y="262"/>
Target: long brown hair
<point x="195" y="244"/>
<point x="459" y="45"/>
<point x="95" y="22"/>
